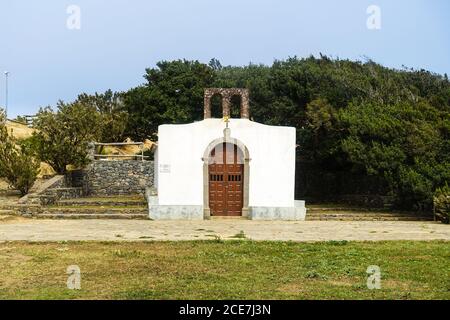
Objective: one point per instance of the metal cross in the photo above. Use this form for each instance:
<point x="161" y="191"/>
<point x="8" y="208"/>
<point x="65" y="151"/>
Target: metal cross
<point x="226" y="119"/>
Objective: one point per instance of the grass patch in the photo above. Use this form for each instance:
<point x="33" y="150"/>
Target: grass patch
<point x="219" y="269"/>
<point x="126" y="254"/>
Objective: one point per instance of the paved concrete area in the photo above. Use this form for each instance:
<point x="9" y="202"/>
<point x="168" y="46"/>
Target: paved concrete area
<point x="140" y="230"/>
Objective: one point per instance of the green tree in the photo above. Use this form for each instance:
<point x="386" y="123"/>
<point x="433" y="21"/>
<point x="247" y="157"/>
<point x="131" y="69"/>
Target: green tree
<point x="173" y="94"/>
<point x="17" y="164"/>
<point x="113" y="117"/>
<point x="321" y="124"/>
<point x="62" y="137"/>
<point x="441" y="202"/>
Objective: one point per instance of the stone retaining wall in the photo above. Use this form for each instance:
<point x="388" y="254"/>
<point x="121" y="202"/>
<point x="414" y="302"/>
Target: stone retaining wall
<point x="108" y="177"/>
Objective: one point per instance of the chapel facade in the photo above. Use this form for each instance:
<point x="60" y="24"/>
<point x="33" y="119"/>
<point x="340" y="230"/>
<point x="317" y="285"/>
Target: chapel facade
<point x="225" y="167"/>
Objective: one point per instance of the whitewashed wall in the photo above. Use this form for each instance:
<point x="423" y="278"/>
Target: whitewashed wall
<point x="180" y="165"/>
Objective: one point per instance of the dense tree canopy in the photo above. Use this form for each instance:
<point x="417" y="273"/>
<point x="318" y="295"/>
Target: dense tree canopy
<point x="357" y="117"/>
<point x="110" y="110"/>
<point x="173" y="94"/>
<point x="390" y="128"/>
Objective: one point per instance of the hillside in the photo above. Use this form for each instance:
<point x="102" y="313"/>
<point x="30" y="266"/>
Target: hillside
<point x="21" y="131"/>
<point x="18" y="130"/>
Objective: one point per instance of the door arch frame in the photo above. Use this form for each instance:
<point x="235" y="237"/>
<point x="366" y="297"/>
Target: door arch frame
<point x="246" y="185"/>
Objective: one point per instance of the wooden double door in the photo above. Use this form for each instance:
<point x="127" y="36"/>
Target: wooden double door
<point x="226" y="180"/>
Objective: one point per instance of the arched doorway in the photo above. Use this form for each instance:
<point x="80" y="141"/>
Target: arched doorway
<point x="226" y="180"/>
<point x="226" y="171"/>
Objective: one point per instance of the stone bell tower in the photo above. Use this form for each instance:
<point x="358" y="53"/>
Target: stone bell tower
<point x="227" y="94"/>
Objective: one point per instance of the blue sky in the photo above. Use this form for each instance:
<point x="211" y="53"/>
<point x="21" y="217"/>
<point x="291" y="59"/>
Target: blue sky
<point x="118" y="39"/>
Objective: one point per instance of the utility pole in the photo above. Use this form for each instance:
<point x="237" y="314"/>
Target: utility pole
<point x="6" y="95"/>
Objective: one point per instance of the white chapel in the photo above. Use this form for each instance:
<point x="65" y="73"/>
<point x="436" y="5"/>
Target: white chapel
<point x="225" y="167"/>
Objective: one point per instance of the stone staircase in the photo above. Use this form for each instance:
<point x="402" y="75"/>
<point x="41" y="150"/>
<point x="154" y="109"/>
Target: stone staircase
<point x="7" y="214"/>
<point x="117" y="207"/>
<point x="8" y="202"/>
<point x="342" y="213"/>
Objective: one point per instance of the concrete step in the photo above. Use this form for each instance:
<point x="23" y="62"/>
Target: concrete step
<point x="366" y="219"/>
<point x="98" y="210"/>
<point x="92" y="216"/>
<point x="348" y="213"/>
<point x="104" y="201"/>
<point x="117" y="207"/>
<point x="7" y="212"/>
<point x="7" y="207"/>
<point x="227" y="218"/>
<point x="66" y="192"/>
<point x="314" y="209"/>
<point x="366" y="216"/>
<point x="4" y="218"/>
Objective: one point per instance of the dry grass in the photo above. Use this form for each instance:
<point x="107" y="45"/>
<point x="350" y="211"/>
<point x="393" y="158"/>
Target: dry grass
<point x="21" y="132"/>
<point x="127" y="150"/>
<point x="18" y="130"/>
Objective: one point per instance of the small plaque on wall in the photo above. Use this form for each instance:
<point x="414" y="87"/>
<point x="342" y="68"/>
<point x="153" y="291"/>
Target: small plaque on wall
<point x="164" y="168"/>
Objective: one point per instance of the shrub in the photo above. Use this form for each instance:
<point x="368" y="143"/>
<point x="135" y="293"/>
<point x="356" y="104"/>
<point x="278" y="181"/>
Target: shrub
<point x="442" y="204"/>
<point x="17" y="165"/>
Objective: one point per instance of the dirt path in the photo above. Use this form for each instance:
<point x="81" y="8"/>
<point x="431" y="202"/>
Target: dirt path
<point x="139" y="230"/>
